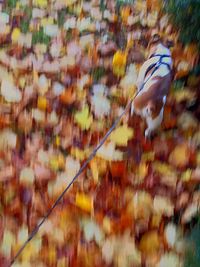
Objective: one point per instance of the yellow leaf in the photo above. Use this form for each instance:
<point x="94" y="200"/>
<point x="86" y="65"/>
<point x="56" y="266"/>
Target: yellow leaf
<point x="80" y="154"/>
<point x="150" y="242"/>
<point x="149" y="156"/>
<point x="57" y="140"/>
<point x="107" y="224"/>
<point x="84" y="202"/>
<point x="52" y="254"/>
<point x="57" y="162"/>
<point x="83" y="118"/>
<point x="163" y="168"/>
<point x="42" y="102"/>
<point x="179" y="157"/>
<point x="41" y="3"/>
<point x="61" y="161"/>
<point x="186" y="176"/>
<point x="22" y="82"/>
<point x="119" y="70"/>
<point x="47" y="21"/>
<point x="119" y="59"/>
<point x="15" y="34"/>
<point x="32" y="249"/>
<point x="70" y="2"/>
<point x="142" y="170"/>
<point x="102" y="165"/>
<point x="119" y="63"/>
<point x="155" y="221"/>
<point x="121" y="135"/>
<point x="94" y="169"/>
<point x="54" y="163"/>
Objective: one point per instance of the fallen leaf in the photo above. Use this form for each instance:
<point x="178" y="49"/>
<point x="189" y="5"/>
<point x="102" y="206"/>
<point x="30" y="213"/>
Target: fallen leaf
<point x="83" y="118"/>
<point x="108" y="152"/>
<point x="121" y="250"/>
<point x="169" y="259"/>
<point x="170" y="234"/>
<point x="94" y="169"/>
<point x="10" y="92"/>
<point x="27" y="176"/>
<point x="179" y="157"/>
<point x="163" y="206"/>
<point x="150" y="243"/>
<point x="84" y="202"/>
<point x="92" y="231"/>
<point x="121" y="135"/>
<point x="7" y="242"/>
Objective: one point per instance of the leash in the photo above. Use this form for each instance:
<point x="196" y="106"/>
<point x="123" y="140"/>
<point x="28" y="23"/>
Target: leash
<point x="91" y="156"/>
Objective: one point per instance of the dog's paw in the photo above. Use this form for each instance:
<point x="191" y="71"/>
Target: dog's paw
<point x="147" y="133"/>
<point x="150" y="135"/>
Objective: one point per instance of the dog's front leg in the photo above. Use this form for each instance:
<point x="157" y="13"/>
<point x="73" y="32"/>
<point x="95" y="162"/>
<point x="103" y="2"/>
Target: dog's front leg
<point x="147" y="134"/>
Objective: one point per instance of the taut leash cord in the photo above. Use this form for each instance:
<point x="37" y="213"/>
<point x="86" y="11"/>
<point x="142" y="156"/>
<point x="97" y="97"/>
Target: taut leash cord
<point x="102" y="141"/>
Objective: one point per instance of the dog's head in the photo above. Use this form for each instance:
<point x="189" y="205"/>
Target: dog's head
<point x="155" y="41"/>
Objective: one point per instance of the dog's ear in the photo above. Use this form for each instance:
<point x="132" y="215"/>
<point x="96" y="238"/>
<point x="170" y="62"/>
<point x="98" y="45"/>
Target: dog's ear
<point x="155" y="39"/>
<point x="169" y="43"/>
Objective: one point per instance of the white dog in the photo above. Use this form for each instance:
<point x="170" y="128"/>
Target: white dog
<point x="153" y="85"/>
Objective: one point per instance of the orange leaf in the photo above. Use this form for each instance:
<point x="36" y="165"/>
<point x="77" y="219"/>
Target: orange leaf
<point x="150" y="242"/>
<point x="154" y="4"/>
<point x="4" y="121"/>
<point x="84" y="202"/>
<point x="68" y="96"/>
<point x="180" y="74"/>
<point x="118" y="168"/>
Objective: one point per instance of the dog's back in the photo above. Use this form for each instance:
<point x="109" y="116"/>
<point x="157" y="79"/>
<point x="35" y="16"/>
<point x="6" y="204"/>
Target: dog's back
<point x="153" y="86"/>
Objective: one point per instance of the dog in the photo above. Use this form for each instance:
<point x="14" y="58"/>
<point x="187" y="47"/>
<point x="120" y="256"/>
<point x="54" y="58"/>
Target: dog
<point x="153" y="85"/>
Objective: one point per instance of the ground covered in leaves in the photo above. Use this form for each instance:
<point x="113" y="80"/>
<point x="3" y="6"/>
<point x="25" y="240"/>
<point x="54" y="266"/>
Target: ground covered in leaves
<point x="67" y="70"/>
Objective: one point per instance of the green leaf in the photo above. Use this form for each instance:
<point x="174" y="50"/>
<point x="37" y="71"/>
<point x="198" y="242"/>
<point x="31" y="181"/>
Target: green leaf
<point x="24" y="26"/>
<point x="98" y="73"/>
<point x="196" y="70"/>
<point x="40" y="37"/>
<point x="102" y="6"/>
<point x="11" y="3"/>
<point x="61" y="17"/>
<point x="124" y="2"/>
<point x="178" y="85"/>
